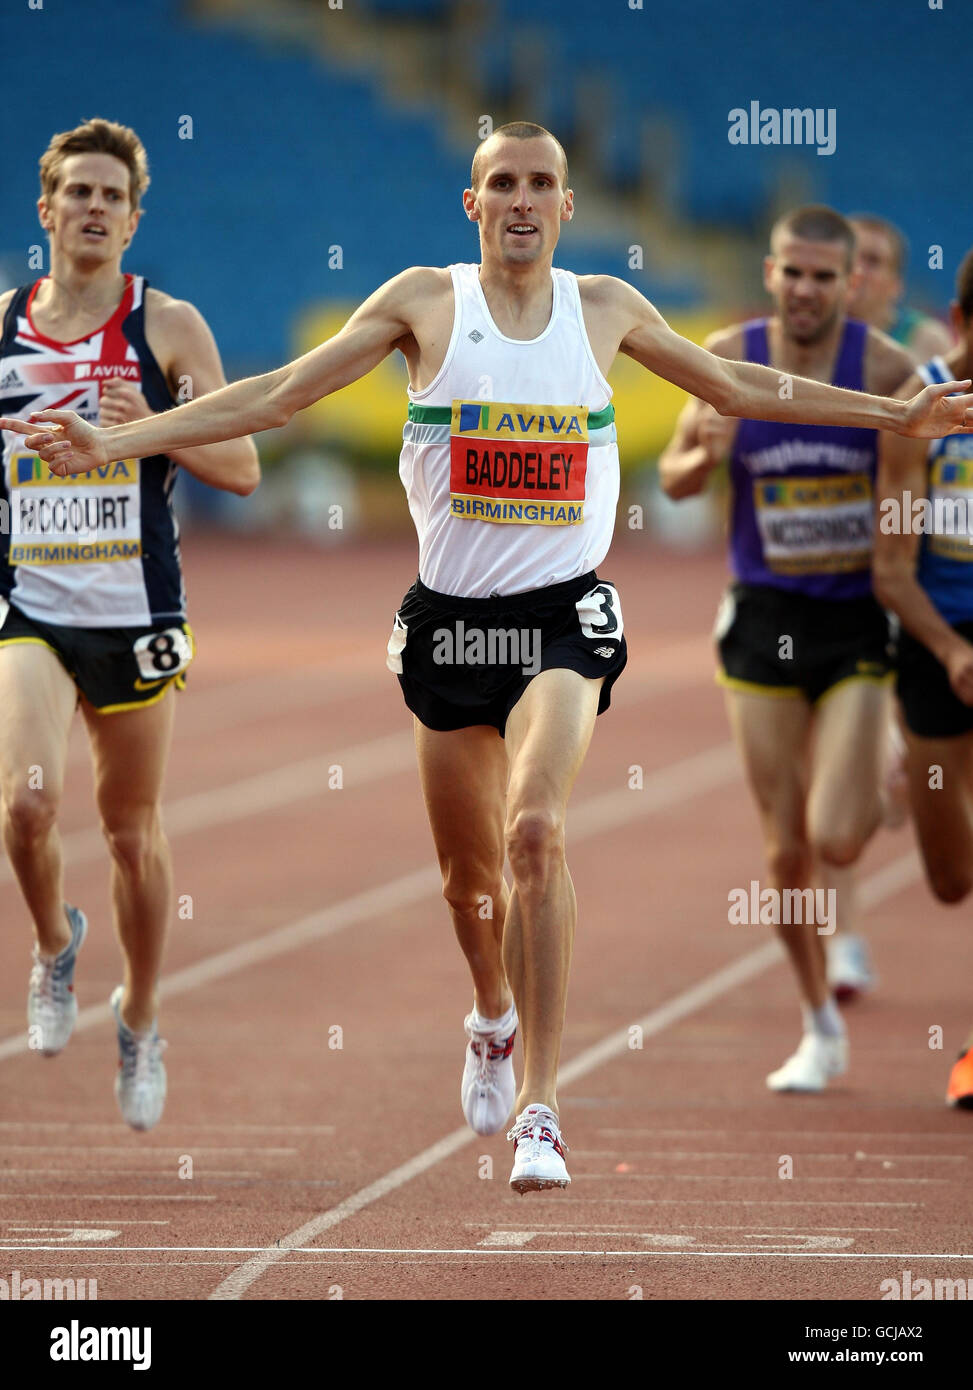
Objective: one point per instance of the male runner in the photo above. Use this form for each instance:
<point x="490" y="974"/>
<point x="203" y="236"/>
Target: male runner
<point x="92" y="608"/>
<point x="510" y="464"/>
<point x="801" y="639"/>
<point x="935" y="607"/>
<point x="876" y="296"/>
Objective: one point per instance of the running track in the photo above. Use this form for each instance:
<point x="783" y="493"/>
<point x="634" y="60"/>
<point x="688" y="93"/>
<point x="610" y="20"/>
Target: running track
<point x="324" y="1171"/>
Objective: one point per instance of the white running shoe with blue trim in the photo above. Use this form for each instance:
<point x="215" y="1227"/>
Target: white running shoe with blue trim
<point x="140" y="1085"/>
<point x="51" y="1004"/>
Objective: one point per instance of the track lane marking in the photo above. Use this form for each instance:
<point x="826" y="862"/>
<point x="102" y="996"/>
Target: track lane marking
<point x="667" y="786"/>
<point x="886" y="882"/>
<point x="331" y="1251"/>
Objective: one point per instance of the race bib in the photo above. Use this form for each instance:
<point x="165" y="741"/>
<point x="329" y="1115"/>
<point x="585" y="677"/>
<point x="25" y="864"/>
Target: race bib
<point x="89" y="518"/>
<point x="815" y="525"/>
<point x="161" y="655"/>
<point x="518" y="463"/>
<point x="951" y="504"/>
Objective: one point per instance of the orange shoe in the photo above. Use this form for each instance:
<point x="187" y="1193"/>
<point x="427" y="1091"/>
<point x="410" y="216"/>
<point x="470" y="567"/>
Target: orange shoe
<point x="960" y="1089"/>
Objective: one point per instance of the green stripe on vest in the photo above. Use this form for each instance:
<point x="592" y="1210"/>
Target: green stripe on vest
<point x="443" y="415"/>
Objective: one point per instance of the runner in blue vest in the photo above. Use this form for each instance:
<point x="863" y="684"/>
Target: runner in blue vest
<point x="802" y="641"/>
<point x="924" y="573"/>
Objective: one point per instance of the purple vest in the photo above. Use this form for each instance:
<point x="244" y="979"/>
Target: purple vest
<point x="803" y="495"/>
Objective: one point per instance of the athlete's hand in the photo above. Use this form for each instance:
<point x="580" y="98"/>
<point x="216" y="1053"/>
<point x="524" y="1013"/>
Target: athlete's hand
<point x="715" y="433"/>
<point x="936" y="412"/>
<point x="121" y="402"/>
<point x="959" y="668"/>
<point x="64" y="441"/>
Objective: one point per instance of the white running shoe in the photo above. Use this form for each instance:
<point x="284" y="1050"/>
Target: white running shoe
<point x="140" y="1085"/>
<point x="51" y="1006"/>
<point x="816" y="1060"/>
<point x="850" y="970"/>
<point x="489" y="1087"/>
<point x="538" y="1151"/>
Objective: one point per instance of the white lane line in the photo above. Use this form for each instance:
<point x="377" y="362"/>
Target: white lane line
<point x="251" y="699"/>
<point x="140" y="1221"/>
<point x="745" y="1177"/>
<point x="553" y="1228"/>
<point x="330" y="1252"/>
<point x="361" y="907"/>
<point x="253" y="796"/>
<point x="666" y="787"/>
<point x="694" y="771"/>
<point x="727" y="1202"/>
<point x="205" y="1126"/>
<point x="147" y="1197"/>
<point x="101" y="1174"/>
<point x="137" y="1150"/>
<point x="772" y="1135"/>
<point x="749" y="1153"/>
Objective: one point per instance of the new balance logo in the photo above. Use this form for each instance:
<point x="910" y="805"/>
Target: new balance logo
<point x="475" y="336"/>
<point x="604" y="651"/>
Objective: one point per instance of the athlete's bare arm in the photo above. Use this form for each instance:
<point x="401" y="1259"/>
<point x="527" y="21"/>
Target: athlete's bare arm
<point x="902" y="478"/>
<point x="617" y="317"/>
<point x="404" y="313"/>
<point x="748" y="390"/>
<point x="703" y="437"/>
<point x="186" y="350"/>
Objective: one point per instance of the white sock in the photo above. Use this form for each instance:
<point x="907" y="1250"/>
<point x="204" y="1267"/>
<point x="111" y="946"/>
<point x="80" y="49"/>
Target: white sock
<point x="825" y="1021"/>
<point x="494" y="1025"/>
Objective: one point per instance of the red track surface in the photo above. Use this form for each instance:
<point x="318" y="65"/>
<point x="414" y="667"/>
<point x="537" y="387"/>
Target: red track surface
<point x="676" y="1146"/>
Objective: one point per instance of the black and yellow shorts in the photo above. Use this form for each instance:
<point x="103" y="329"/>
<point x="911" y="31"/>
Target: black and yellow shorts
<point x="467" y="661"/>
<point x="930" y="706"/>
<point x="114" y="668"/>
<point x="772" y="642"/>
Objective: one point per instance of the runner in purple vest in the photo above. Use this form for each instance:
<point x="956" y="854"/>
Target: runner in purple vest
<point x="802" y="641"/>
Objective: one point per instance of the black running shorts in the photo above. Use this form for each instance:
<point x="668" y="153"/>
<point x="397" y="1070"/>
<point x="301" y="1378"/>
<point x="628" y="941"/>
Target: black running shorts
<point x="776" y="643"/>
<point x="467" y="661"/>
<point x="114" y="668"/>
<point x="930" y="707"/>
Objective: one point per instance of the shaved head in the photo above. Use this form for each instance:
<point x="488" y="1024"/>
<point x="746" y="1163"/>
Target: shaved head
<point x="517" y="130"/>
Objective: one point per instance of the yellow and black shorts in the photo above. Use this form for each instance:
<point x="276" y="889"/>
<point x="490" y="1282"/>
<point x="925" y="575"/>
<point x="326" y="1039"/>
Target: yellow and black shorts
<point x="114" y="668"/>
<point x="773" y="642"/>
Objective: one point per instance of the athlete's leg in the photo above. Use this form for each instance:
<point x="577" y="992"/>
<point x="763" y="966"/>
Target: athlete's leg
<point x="37" y="703"/>
<point x="941" y="793"/>
<point x="129" y="751"/>
<point x="547" y="736"/>
<point x="463" y="775"/>
<point x="844" y="804"/>
<point x="847" y="803"/>
<point x="772" y="734"/>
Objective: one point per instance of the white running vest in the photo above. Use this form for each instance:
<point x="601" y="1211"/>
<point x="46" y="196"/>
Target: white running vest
<point x="509" y="458"/>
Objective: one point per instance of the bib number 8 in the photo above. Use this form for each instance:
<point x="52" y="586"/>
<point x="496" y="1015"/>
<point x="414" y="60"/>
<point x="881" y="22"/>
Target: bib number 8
<point x="600" y="612"/>
<point x="162" y="654"/>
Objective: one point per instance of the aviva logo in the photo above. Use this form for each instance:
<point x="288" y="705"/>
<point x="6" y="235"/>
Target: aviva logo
<point x="498" y="420"/>
<point x="30" y="470"/>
